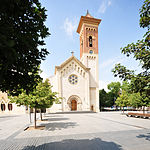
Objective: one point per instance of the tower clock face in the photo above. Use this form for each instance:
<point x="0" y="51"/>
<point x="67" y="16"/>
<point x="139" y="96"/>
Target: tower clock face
<point x="91" y="51"/>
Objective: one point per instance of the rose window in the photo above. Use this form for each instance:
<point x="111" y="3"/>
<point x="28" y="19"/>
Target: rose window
<point x="73" y="79"/>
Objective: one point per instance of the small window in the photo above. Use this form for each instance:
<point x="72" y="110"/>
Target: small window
<point x="3" y="107"/>
<point x="10" y="107"/>
<point x="91" y="51"/>
<point x="90" y="41"/>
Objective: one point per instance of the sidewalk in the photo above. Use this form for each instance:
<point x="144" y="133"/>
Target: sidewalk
<point x="82" y="131"/>
<point x="13" y="124"/>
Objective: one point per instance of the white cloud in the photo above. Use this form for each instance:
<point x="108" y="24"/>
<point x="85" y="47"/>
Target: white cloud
<point x="70" y="26"/>
<point x="104" y="5"/>
<point x="109" y="3"/>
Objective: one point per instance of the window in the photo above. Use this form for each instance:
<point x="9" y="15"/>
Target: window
<point x="91" y="51"/>
<point x="73" y="79"/>
<point x="3" y="107"/>
<point x="90" y="41"/>
<point x="10" y="107"/>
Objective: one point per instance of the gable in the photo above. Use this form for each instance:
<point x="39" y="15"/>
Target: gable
<point x="72" y="63"/>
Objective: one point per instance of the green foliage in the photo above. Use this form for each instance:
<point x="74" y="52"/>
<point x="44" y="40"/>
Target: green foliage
<point x="135" y="100"/>
<point x="41" y="97"/>
<point x="144" y="14"/>
<point x="107" y="99"/>
<point x="114" y="88"/>
<point x="104" y="99"/>
<point x="22" y="31"/>
<point x="111" y="98"/>
<point x="141" y="52"/>
<point x="122" y="100"/>
<point x="126" y="99"/>
<point x="126" y="86"/>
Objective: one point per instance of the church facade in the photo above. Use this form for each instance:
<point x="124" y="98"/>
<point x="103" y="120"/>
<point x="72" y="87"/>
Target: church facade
<point x="77" y="81"/>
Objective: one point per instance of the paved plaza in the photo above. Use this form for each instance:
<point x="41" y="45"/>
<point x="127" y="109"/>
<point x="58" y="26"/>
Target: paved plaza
<point x="76" y="131"/>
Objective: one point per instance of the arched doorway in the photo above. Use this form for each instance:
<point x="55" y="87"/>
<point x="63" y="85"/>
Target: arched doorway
<point x="73" y="105"/>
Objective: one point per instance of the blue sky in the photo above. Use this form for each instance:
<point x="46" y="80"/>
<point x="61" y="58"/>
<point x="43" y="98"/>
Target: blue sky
<point x="119" y="27"/>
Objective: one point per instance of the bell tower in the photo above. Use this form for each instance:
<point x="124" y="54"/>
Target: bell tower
<point x="88" y="31"/>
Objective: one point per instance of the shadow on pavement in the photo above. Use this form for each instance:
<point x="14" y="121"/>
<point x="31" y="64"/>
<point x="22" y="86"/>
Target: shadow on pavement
<point x="72" y="144"/>
<point x="57" y="119"/>
<point x="73" y="112"/>
<point x="52" y="115"/>
<point x="147" y="137"/>
<point x="58" y="126"/>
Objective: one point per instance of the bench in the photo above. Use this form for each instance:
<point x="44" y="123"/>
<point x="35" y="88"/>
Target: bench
<point x="137" y="115"/>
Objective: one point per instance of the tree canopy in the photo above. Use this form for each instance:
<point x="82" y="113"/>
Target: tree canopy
<point x="135" y="100"/>
<point x="114" y="88"/>
<point x="22" y="31"/>
<point x="104" y="99"/>
<point x="41" y="97"/>
<point x="108" y="99"/>
<point x="122" y="100"/>
<point x="141" y="52"/>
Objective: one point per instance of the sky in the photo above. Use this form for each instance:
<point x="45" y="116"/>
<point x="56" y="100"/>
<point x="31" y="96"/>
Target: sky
<point x="119" y="27"/>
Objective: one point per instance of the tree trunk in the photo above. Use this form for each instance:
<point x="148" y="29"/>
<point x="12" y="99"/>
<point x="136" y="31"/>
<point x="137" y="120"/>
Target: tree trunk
<point x="41" y="114"/>
<point x="30" y="114"/>
<point x="143" y="109"/>
<point x="35" y="118"/>
<point x="123" y="109"/>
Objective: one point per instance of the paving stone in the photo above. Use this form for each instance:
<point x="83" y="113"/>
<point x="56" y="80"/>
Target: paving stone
<point x="81" y="131"/>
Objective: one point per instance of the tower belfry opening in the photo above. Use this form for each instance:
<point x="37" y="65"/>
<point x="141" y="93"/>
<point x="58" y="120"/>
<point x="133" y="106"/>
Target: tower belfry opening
<point x="90" y="41"/>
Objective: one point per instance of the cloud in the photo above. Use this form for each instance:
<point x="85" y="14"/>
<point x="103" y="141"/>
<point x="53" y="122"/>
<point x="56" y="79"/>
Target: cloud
<point x="104" y="5"/>
<point x="70" y="26"/>
<point x="109" y="3"/>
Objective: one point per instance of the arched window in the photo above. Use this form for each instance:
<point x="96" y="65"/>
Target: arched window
<point x="90" y="41"/>
<point x="3" y="107"/>
<point x="10" y="107"/>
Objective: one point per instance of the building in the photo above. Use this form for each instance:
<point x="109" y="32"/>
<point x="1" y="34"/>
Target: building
<point x="7" y="107"/>
<point x="77" y="81"/>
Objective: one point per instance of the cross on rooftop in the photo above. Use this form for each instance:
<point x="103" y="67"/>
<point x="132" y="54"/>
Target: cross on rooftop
<point x="72" y="52"/>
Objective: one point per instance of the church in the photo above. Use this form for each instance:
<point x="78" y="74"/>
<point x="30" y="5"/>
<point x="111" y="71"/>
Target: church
<point x="77" y="81"/>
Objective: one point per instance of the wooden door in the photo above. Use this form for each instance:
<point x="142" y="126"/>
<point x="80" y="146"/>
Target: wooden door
<point x="73" y="105"/>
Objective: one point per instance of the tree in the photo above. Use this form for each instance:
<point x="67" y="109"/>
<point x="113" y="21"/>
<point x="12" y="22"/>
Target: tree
<point x="122" y="100"/>
<point x="114" y="88"/>
<point x="22" y="31"/>
<point x="103" y="99"/>
<point x="135" y="100"/>
<point x="41" y="97"/>
<point x="141" y="52"/>
<point x="111" y="98"/>
<point x="126" y="87"/>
